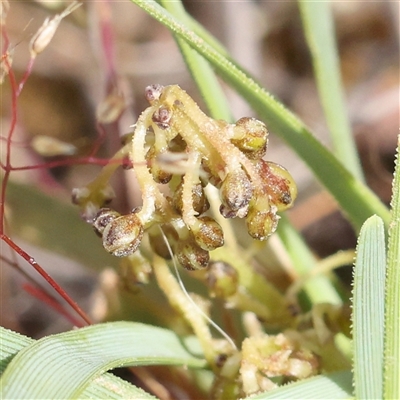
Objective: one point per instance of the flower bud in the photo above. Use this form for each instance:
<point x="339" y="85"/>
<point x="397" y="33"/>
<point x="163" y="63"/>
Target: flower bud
<point x="103" y="218"/>
<point x="111" y="108"/>
<point x="222" y="279"/>
<point x="200" y="203"/>
<point x="280" y="184"/>
<point x="261" y="223"/>
<point x="162" y="117"/>
<point x="191" y="256"/>
<point x="48" y="146"/>
<point x="236" y="190"/>
<point x="153" y="92"/>
<point x="251" y="137"/>
<point x="122" y="236"/>
<point x="46" y="32"/>
<point x="208" y="233"/>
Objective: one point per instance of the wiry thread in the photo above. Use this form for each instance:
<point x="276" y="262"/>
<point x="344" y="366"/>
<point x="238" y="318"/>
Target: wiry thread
<point x="197" y="308"/>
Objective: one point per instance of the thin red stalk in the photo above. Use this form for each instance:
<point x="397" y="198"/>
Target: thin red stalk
<point x="7" y="168"/>
<point x="107" y="39"/>
<point x="43" y="296"/>
<point x="26" y="75"/>
<point x="100" y="139"/>
<point x="60" y="163"/>
<point x="15" y="92"/>
<point x="47" y="277"/>
<point x="35" y="289"/>
<point x="20" y="143"/>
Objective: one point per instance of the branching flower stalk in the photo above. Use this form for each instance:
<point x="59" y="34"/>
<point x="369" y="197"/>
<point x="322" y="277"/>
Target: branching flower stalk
<point x="37" y="44"/>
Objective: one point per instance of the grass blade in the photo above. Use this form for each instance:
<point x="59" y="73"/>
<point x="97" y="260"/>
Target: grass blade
<point x="320" y="34"/>
<point x="392" y="300"/>
<point x="333" y="386"/>
<point x="63" y="365"/>
<point x="200" y="69"/>
<point x="355" y="198"/>
<point x="106" y="386"/>
<point x="368" y="310"/>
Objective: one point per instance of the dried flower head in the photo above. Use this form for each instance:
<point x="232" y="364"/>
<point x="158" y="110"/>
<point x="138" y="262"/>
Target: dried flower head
<point x="45" y="33"/>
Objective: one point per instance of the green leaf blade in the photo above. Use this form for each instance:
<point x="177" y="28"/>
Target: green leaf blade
<point x="106" y="386"/>
<point x="333" y="386"/>
<point x="392" y="299"/>
<point x="63" y="365"/>
<point x="320" y="34"/>
<point x="368" y="310"/>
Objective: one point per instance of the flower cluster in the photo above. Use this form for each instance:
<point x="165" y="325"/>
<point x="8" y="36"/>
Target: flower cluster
<point x="175" y="144"/>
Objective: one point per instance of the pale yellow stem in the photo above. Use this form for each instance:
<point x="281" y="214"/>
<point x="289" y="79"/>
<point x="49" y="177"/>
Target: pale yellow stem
<point x="179" y="300"/>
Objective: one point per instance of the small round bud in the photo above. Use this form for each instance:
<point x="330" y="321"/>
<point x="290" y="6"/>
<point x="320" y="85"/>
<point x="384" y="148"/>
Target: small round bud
<point x="103" y="218"/>
<point x="222" y="279"/>
<point x="261" y="224"/>
<point x="281" y="187"/>
<point x="191" y="256"/>
<point x="153" y="92"/>
<point x="43" y="36"/>
<point x="208" y="233"/>
<point x="162" y="117"/>
<point x="200" y="203"/>
<point x="48" y="146"/>
<point x="122" y="236"/>
<point x="111" y="108"/>
<point x="236" y="190"/>
<point x="251" y="136"/>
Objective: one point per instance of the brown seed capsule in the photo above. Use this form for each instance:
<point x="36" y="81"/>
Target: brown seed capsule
<point x="103" y="218"/>
<point x="222" y="279"/>
<point x="191" y="256"/>
<point x="261" y="223"/>
<point x="280" y="185"/>
<point x="153" y="92"/>
<point x="122" y="236"/>
<point x="200" y="203"/>
<point x="251" y="136"/>
<point x="236" y="190"/>
<point x="162" y="117"/>
<point x="208" y="233"/>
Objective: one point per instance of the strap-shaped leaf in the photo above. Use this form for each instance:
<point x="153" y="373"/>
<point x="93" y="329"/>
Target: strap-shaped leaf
<point x="63" y="365"/>
<point x="368" y="310"/>
<point x="319" y="30"/>
<point x="106" y="386"/>
<point x="392" y="300"/>
<point x="332" y="386"/>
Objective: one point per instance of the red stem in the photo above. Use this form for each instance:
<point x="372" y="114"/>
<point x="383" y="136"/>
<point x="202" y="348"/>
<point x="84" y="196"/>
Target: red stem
<point x="47" y="277"/>
<point x="43" y="296"/>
